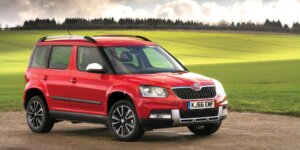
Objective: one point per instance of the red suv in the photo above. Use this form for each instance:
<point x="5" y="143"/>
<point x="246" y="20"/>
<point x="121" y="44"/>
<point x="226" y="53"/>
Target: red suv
<point x="126" y="82"/>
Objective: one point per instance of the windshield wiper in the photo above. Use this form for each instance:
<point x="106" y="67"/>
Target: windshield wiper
<point x="179" y="71"/>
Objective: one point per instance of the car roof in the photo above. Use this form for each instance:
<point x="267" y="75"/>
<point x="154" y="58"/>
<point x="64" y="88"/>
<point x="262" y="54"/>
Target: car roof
<point x="105" y="41"/>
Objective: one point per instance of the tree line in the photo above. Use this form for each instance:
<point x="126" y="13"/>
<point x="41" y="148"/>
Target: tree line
<point x="155" y="23"/>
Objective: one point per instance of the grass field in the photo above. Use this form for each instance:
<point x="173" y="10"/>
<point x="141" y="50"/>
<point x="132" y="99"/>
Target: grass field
<point x="261" y="72"/>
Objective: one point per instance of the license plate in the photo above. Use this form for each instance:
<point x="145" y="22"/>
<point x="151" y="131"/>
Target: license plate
<point x="201" y="104"/>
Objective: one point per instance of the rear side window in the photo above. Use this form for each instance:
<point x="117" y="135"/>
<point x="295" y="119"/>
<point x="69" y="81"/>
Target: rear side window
<point x="39" y="57"/>
<point x="86" y="56"/>
<point x="60" y="57"/>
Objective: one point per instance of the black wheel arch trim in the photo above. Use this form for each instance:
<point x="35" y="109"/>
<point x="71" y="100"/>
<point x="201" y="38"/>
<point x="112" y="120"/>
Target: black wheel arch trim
<point x="36" y="91"/>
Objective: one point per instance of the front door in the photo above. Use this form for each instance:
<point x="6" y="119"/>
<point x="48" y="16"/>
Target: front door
<point x="88" y="90"/>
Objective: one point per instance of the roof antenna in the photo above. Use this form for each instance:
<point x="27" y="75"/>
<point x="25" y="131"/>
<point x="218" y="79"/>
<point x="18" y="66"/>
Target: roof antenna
<point x="68" y="31"/>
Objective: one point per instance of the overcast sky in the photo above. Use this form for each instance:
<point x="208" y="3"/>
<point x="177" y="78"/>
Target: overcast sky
<point x="14" y="12"/>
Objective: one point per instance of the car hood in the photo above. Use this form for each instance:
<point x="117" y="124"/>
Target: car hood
<point x="169" y="79"/>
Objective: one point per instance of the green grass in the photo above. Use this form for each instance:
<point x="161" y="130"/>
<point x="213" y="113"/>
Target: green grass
<point x="259" y="71"/>
<point x="268" y="87"/>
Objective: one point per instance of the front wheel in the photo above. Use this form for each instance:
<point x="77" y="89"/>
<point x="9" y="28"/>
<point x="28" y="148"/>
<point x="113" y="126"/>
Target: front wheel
<point x="37" y="114"/>
<point x="123" y="122"/>
<point x="206" y="129"/>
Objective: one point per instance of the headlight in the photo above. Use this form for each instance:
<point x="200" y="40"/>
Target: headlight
<point x="219" y="88"/>
<point x="153" y="91"/>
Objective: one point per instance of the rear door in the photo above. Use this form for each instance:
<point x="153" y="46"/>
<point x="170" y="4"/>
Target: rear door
<point x="57" y="77"/>
<point x="88" y="90"/>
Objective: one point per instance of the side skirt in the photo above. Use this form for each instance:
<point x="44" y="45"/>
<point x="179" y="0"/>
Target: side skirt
<point x="78" y="117"/>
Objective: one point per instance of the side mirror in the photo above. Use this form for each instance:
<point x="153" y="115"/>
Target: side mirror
<point x="94" y="68"/>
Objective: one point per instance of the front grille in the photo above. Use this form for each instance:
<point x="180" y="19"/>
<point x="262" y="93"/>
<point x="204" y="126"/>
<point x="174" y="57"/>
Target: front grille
<point x="189" y="93"/>
<point x="199" y="113"/>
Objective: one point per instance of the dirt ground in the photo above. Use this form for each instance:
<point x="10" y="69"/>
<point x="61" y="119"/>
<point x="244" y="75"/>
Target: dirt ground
<point x="238" y="131"/>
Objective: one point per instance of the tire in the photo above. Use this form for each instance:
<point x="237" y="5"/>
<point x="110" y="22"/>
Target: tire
<point x="206" y="129"/>
<point x="123" y="122"/>
<point x="37" y="115"/>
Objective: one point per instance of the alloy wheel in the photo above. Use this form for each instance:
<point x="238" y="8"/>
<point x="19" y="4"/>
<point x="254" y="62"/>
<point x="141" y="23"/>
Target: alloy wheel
<point x="123" y="120"/>
<point x="35" y="114"/>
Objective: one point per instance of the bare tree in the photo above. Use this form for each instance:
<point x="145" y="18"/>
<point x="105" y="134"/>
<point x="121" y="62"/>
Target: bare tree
<point x="6" y="27"/>
<point x="223" y="23"/>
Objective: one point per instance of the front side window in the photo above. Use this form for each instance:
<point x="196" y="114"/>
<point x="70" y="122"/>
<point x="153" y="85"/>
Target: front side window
<point x="141" y="59"/>
<point x="60" y="57"/>
<point x="86" y="56"/>
<point x="39" y="57"/>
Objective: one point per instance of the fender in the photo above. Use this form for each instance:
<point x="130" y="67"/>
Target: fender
<point x="127" y="89"/>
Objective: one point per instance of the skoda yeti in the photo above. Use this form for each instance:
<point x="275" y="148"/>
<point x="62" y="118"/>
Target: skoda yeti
<point x="128" y="83"/>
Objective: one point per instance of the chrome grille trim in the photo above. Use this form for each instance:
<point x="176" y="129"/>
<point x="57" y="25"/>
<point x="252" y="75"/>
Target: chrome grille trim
<point x="185" y="121"/>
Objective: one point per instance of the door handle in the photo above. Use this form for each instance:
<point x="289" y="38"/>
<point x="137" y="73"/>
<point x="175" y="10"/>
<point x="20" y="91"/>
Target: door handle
<point x="45" y="77"/>
<point x="73" y="80"/>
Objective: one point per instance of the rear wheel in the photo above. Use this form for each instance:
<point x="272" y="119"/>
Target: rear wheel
<point x="123" y="122"/>
<point x="37" y="114"/>
<point x="206" y="129"/>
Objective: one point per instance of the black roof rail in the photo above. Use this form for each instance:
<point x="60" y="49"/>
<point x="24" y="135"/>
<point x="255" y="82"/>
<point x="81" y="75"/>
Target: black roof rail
<point x="121" y="35"/>
<point x="42" y="39"/>
<point x="90" y="39"/>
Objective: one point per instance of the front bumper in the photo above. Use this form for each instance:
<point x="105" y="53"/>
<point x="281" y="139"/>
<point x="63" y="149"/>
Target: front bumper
<point x="177" y="120"/>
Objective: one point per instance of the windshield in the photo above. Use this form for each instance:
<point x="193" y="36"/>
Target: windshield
<point x="141" y="59"/>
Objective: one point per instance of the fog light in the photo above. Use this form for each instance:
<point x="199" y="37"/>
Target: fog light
<point x="224" y="110"/>
<point x="160" y="116"/>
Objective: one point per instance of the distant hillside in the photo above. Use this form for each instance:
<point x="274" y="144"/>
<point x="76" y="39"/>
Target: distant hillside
<point x="154" y="23"/>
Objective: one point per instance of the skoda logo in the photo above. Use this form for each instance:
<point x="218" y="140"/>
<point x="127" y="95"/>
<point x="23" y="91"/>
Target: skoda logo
<point x="196" y="86"/>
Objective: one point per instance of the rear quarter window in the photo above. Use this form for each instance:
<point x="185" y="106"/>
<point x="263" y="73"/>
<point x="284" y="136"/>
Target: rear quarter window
<point x="39" y="57"/>
<point x="60" y="57"/>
